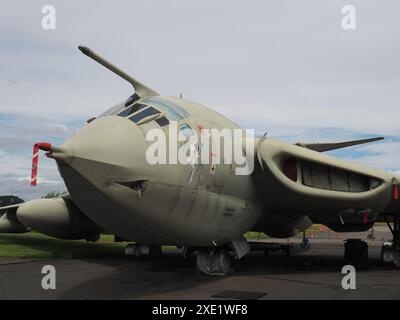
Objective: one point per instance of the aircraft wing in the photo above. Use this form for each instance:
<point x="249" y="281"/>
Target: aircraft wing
<point x="9" y="222"/>
<point x="294" y="180"/>
<point x="328" y="146"/>
<point x="5" y="209"/>
<point x="58" y="217"/>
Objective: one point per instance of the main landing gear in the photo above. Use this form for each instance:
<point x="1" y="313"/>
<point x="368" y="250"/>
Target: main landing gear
<point x="356" y="253"/>
<point x="216" y="261"/>
<point x="213" y="261"/>
<point x="391" y="250"/>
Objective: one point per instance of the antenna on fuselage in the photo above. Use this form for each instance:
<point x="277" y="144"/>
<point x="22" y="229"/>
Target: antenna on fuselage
<point x="140" y="89"/>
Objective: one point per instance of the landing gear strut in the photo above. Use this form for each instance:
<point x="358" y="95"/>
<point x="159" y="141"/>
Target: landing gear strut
<point x="356" y="253"/>
<point x="391" y="250"/>
<point x="213" y="261"/>
<point x="305" y="244"/>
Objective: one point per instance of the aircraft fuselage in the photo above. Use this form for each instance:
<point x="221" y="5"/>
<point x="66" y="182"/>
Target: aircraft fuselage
<point x="111" y="181"/>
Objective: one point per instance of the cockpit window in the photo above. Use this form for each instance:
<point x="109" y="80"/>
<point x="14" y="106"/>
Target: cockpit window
<point x="171" y="110"/>
<point x="186" y="130"/>
<point x="132" y="109"/>
<point x="162" y="122"/>
<point x="144" y="114"/>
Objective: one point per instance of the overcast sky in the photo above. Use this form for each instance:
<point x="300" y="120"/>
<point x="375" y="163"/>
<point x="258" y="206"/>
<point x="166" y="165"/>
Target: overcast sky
<point x="285" y="67"/>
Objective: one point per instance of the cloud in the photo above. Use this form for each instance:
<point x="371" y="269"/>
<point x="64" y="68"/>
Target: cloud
<point x="282" y="67"/>
<point x="18" y="133"/>
<point x="283" y="63"/>
<point x="21" y="187"/>
<point x="380" y="155"/>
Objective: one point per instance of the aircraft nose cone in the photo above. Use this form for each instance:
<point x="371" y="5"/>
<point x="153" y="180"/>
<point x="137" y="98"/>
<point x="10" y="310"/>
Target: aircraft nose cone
<point x="104" y="146"/>
<point x="62" y="153"/>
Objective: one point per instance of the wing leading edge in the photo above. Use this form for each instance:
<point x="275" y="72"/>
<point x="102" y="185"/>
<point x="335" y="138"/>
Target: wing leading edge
<point x="328" y="146"/>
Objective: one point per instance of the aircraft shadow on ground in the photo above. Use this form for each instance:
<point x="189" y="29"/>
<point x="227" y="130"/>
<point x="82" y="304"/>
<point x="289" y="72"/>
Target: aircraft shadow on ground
<point x="147" y="276"/>
<point x="152" y="276"/>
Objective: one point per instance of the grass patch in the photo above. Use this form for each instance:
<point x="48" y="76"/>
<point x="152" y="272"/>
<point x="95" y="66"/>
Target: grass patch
<point x="36" y="245"/>
<point x="255" y="235"/>
<point x="315" y="228"/>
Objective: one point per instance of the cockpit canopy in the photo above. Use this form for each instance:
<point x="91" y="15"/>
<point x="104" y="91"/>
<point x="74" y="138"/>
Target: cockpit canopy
<point x="159" y="110"/>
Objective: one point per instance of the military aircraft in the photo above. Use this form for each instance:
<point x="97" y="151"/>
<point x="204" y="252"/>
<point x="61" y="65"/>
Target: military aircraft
<point x="205" y="208"/>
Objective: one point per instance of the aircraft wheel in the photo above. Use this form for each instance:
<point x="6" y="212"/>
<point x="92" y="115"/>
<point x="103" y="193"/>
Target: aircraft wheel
<point x="141" y="250"/>
<point x="131" y="250"/>
<point x="386" y="254"/>
<point x="213" y="261"/>
<point x="356" y="253"/>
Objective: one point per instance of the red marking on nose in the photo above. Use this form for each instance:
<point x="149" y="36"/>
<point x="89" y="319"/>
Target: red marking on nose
<point x="35" y="159"/>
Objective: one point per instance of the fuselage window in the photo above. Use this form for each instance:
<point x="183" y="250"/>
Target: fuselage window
<point x="144" y="114"/>
<point x="162" y="122"/>
<point x="132" y="109"/>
